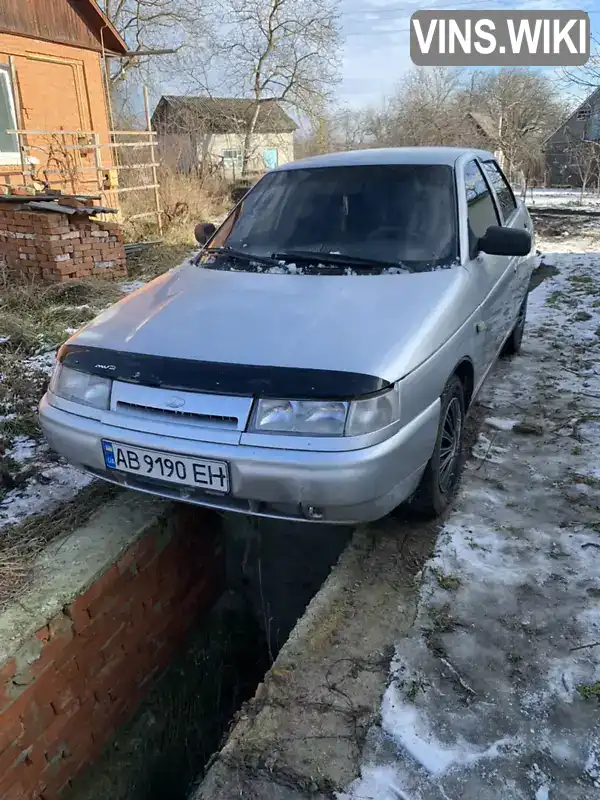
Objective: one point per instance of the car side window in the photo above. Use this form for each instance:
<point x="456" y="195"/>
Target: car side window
<point x="504" y="193"/>
<point x="481" y="209"/>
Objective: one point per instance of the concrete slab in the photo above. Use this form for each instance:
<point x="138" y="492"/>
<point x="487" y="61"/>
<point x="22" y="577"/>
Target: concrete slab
<point x="69" y="565"/>
<point x="303" y="733"/>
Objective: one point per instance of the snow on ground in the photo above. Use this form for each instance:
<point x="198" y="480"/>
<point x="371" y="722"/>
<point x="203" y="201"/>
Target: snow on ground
<point x="561" y="198"/>
<point x="495" y="693"/>
<point x="48" y="480"/>
<point x="48" y="489"/>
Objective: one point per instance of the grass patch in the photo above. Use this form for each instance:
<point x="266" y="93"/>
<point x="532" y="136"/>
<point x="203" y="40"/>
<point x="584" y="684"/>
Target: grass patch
<point x="582" y="316"/>
<point x="588" y="480"/>
<point x="448" y="581"/>
<point x="580" y="279"/>
<point x="413" y="688"/>
<point x="589" y="690"/>
<point x="154" y="261"/>
<point x="21" y="388"/>
<point x="35" y="317"/>
<point x="555" y="298"/>
<point x="442" y="619"/>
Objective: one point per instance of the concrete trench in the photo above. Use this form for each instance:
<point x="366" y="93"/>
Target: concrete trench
<point x="273" y="570"/>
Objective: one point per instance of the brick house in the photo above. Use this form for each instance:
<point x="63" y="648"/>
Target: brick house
<point x="52" y="79"/>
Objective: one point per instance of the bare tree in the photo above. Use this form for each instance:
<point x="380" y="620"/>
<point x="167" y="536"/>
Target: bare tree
<point x="339" y="128"/>
<point x="424" y="110"/>
<point x="151" y="28"/>
<point x="584" y="160"/>
<point x="523" y="107"/>
<point x="282" y="50"/>
<point x="587" y="76"/>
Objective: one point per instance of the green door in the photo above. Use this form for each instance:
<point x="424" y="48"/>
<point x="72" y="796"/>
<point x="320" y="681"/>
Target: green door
<point x="270" y="157"/>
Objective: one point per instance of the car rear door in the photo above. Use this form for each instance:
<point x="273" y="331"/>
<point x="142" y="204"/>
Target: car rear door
<point x="513" y="214"/>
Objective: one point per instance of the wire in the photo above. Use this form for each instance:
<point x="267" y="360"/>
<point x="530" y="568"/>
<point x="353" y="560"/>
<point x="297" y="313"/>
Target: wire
<point x="404" y="11"/>
<point x="385" y="32"/>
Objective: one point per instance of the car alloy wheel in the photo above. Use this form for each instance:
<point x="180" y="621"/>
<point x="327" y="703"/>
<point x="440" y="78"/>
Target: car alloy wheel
<point x="440" y="478"/>
<point x="450" y="446"/>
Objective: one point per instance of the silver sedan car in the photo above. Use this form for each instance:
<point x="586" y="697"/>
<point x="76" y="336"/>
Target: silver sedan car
<point x="316" y="359"/>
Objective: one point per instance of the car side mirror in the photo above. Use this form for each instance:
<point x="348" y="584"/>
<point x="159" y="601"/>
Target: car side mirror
<point x="499" y="241"/>
<point x="203" y="231"/>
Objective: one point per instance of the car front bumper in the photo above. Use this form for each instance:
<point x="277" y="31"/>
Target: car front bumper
<point x="332" y="487"/>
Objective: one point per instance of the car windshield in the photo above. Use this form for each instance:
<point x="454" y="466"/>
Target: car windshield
<point x="403" y="214"/>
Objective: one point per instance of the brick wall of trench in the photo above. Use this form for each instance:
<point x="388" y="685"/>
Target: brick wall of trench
<point x="74" y="680"/>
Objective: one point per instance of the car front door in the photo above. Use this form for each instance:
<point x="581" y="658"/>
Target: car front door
<point x="514" y="215"/>
<point x="492" y="276"/>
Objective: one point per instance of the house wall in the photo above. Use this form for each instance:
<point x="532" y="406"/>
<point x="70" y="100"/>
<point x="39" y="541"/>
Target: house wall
<point x="53" y="20"/>
<point x="213" y="146"/>
<point x="561" y="148"/>
<point x="60" y="87"/>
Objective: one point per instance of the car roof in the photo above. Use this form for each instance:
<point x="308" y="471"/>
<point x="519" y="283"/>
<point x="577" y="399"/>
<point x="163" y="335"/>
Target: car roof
<point x="387" y="155"/>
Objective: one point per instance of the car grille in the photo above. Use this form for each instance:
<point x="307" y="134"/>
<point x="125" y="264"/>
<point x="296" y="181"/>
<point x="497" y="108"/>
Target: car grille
<point x="189" y="417"/>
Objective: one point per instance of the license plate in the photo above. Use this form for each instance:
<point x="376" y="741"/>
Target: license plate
<point x="212" y="475"/>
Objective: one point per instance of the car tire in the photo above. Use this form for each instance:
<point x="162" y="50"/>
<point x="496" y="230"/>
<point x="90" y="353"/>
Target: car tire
<point x="512" y="346"/>
<point x="442" y="473"/>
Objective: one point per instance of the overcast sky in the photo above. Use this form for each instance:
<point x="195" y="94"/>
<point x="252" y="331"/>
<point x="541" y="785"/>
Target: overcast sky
<point x="376" y="49"/>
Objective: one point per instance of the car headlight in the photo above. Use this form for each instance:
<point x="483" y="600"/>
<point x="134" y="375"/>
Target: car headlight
<point x="326" y="418"/>
<point x="80" y="387"/>
<point x="303" y="417"/>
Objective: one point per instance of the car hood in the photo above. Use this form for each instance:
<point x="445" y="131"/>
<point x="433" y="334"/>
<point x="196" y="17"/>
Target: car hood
<point x="381" y="325"/>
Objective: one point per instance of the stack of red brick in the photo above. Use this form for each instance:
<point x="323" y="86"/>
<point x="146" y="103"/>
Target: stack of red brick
<point x="49" y="246"/>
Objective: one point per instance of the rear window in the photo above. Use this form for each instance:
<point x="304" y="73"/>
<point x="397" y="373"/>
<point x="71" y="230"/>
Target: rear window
<point x="399" y="213"/>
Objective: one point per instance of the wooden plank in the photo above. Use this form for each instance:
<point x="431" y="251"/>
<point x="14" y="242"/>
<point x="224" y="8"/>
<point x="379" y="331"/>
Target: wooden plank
<point x="18" y="114"/>
<point x="136" y="188"/>
<point x="137" y="166"/>
<point x="80" y="133"/>
<point x="134" y="133"/>
<point x="141" y="215"/>
<point x="53" y="133"/>
<point x="153" y="158"/>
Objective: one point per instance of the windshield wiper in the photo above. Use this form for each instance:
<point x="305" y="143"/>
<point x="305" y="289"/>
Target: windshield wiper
<point x="313" y="256"/>
<point x="240" y="254"/>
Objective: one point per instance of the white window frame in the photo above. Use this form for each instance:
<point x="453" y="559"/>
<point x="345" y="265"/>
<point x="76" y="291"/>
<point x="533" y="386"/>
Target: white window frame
<point x="8" y="158"/>
<point x="233" y="161"/>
